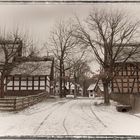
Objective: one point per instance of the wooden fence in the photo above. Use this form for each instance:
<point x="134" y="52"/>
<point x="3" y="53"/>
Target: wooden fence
<point x="19" y="103"/>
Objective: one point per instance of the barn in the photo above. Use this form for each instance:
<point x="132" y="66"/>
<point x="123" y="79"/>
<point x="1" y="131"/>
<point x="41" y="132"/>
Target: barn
<point x="29" y="78"/>
<point x="126" y="82"/>
<point x="23" y="75"/>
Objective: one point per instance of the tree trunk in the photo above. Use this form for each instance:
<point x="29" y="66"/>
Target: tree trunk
<point x="69" y="87"/>
<point x="84" y="88"/>
<point x="75" y="87"/>
<point x="2" y="86"/>
<point x="75" y="91"/>
<point x="106" y="92"/>
<point x="60" y="80"/>
<point x="64" y="83"/>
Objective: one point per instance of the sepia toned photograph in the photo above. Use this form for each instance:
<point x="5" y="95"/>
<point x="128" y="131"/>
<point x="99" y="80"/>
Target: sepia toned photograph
<point x="69" y="70"/>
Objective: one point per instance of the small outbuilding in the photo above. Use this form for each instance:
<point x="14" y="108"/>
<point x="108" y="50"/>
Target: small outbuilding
<point x="96" y="89"/>
<point x="91" y="91"/>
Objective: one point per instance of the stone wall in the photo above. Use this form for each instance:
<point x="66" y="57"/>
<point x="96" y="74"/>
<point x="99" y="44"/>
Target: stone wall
<point x="129" y="99"/>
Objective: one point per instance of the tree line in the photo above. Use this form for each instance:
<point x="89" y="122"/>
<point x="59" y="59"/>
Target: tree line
<point x="106" y="33"/>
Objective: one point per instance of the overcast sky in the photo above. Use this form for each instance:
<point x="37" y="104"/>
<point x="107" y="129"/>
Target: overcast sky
<point x="38" y="20"/>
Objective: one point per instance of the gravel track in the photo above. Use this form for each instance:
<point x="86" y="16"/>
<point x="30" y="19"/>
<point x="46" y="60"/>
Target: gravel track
<point x="96" y="116"/>
<point x="65" y="118"/>
<point x="54" y="107"/>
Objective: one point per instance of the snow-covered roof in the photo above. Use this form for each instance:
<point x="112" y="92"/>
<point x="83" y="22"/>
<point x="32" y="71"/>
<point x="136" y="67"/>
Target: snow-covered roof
<point x="101" y="87"/>
<point x="128" y="48"/>
<point x="33" y="68"/>
<point x="91" y="87"/>
<point x="99" y="84"/>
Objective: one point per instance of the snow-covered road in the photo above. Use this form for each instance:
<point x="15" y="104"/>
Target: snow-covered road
<point x="69" y="117"/>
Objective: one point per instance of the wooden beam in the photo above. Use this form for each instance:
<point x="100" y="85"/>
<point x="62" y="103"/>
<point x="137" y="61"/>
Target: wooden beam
<point x="32" y="82"/>
<point x="13" y="83"/>
<point x="45" y="82"/>
<point x="27" y="83"/>
<point x="19" y="83"/>
<point x="132" y="86"/>
<point x="39" y="83"/>
<point x="117" y="86"/>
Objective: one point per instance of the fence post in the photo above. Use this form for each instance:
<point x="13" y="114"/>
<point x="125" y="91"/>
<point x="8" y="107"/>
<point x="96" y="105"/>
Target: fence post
<point x="22" y="103"/>
<point x="28" y="101"/>
<point x="15" y="104"/>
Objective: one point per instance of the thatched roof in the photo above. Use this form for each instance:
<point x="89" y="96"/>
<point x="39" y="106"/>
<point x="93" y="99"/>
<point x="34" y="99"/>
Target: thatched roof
<point x="128" y="48"/>
<point x="91" y="87"/>
<point x="33" y="68"/>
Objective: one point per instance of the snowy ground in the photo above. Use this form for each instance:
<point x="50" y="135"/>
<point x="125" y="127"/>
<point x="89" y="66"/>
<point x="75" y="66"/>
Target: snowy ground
<point x="69" y="117"/>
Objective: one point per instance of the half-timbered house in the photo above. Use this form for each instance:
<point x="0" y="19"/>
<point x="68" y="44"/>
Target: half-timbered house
<point x="28" y="75"/>
<point x="126" y="79"/>
<point x="29" y="78"/>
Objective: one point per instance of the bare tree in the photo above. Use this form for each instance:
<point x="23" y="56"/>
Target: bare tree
<point x="82" y="74"/>
<point x="11" y="47"/>
<point x="108" y="34"/>
<point x="62" y="44"/>
<point x="79" y="68"/>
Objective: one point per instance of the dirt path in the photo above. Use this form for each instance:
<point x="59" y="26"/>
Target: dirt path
<point x="69" y="117"/>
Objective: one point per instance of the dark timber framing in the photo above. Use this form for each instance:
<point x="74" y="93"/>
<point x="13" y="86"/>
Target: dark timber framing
<point x="126" y="78"/>
<point x="31" y="82"/>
